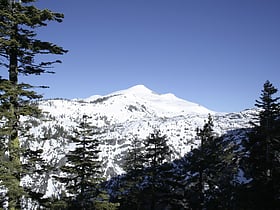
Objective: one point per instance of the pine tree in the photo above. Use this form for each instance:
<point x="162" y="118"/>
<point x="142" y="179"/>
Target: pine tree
<point x="212" y="170"/>
<point x="263" y="148"/>
<point x="134" y="167"/>
<point x="156" y="153"/>
<point x="269" y="106"/>
<point x="134" y="159"/>
<point x="206" y="137"/>
<point x="199" y="160"/>
<point x="83" y="169"/>
<point x="18" y="49"/>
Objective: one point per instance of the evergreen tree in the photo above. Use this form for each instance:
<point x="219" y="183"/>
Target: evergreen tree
<point x="142" y="185"/>
<point x="212" y="171"/>
<point x="269" y="107"/>
<point x="134" y="159"/>
<point x="18" y="49"/>
<point x="156" y="153"/>
<point x="171" y="193"/>
<point x="151" y="182"/>
<point x="263" y="162"/>
<point x="83" y="169"/>
<point x="134" y="167"/>
<point x="199" y="162"/>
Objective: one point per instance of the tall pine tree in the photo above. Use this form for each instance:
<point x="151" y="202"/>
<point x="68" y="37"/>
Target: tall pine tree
<point x="263" y="148"/>
<point x="134" y="167"/>
<point x="212" y="170"/>
<point x="82" y="172"/>
<point x="134" y="159"/>
<point x="199" y="161"/>
<point x="156" y="153"/>
<point x="18" y="49"/>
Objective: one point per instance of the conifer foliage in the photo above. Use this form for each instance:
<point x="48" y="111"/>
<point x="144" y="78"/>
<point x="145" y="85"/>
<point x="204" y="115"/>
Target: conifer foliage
<point x="219" y="174"/>
<point x="212" y="170"/>
<point x="82" y="173"/>
<point x="83" y="168"/>
<point x="263" y="147"/>
<point x="134" y="167"/>
<point x="157" y="152"/>
<point x="134" y="160"/>
<point x="18" y="49"/>
<point x="199" y="165"/>
<point x="142" y="185"/>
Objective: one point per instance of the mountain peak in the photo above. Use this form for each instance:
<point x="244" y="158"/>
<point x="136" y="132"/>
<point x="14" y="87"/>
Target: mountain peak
<point x="137" y="89"/>
<point x="161" y="104"/>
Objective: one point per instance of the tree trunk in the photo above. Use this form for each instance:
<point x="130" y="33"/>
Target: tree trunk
<point x="14" y="144"/>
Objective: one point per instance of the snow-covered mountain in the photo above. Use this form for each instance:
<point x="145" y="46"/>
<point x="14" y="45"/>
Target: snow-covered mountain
<point x="123" y="115"/>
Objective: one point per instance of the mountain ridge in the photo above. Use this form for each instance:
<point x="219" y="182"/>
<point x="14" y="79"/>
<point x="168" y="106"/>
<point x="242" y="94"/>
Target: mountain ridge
<point x="145" y="94"/>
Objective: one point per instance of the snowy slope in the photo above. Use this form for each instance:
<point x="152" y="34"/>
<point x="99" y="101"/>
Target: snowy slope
<point x="124" y="114"/>
<point x="164" y="105"/>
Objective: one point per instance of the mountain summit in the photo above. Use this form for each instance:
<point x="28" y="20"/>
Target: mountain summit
<point x="140" y="96"/>
<point x="137" y="89"/>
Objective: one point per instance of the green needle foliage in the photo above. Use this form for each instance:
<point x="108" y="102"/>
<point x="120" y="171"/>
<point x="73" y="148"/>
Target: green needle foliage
<point x="212" y="170"/>
<point x="156" y="153"/>
<point x="134" y="159"/>
<point x="145" y="178"/>
<point x="83" y="170"/>
<point x="263" y="148"/>
<point x="134" y="167"/>
<point x="18" y="49"/>
<point x="200" y="164"/>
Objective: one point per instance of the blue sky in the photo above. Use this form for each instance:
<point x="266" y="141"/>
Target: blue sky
<point x="217" y="53"/>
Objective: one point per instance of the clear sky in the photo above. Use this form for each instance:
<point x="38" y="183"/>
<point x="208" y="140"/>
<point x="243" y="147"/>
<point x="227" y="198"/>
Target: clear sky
<point x="217" y="53"/>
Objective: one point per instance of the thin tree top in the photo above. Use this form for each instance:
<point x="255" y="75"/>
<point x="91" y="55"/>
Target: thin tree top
<point x="18" y="21"/>
<point x="266" y="98"/>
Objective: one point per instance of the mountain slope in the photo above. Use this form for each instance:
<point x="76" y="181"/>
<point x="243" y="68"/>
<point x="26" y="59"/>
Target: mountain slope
<point x="123" y="115"/>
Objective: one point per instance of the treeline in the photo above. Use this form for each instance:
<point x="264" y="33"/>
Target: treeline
<point x="220" y="174"/>
<point x="217" y="175"/>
